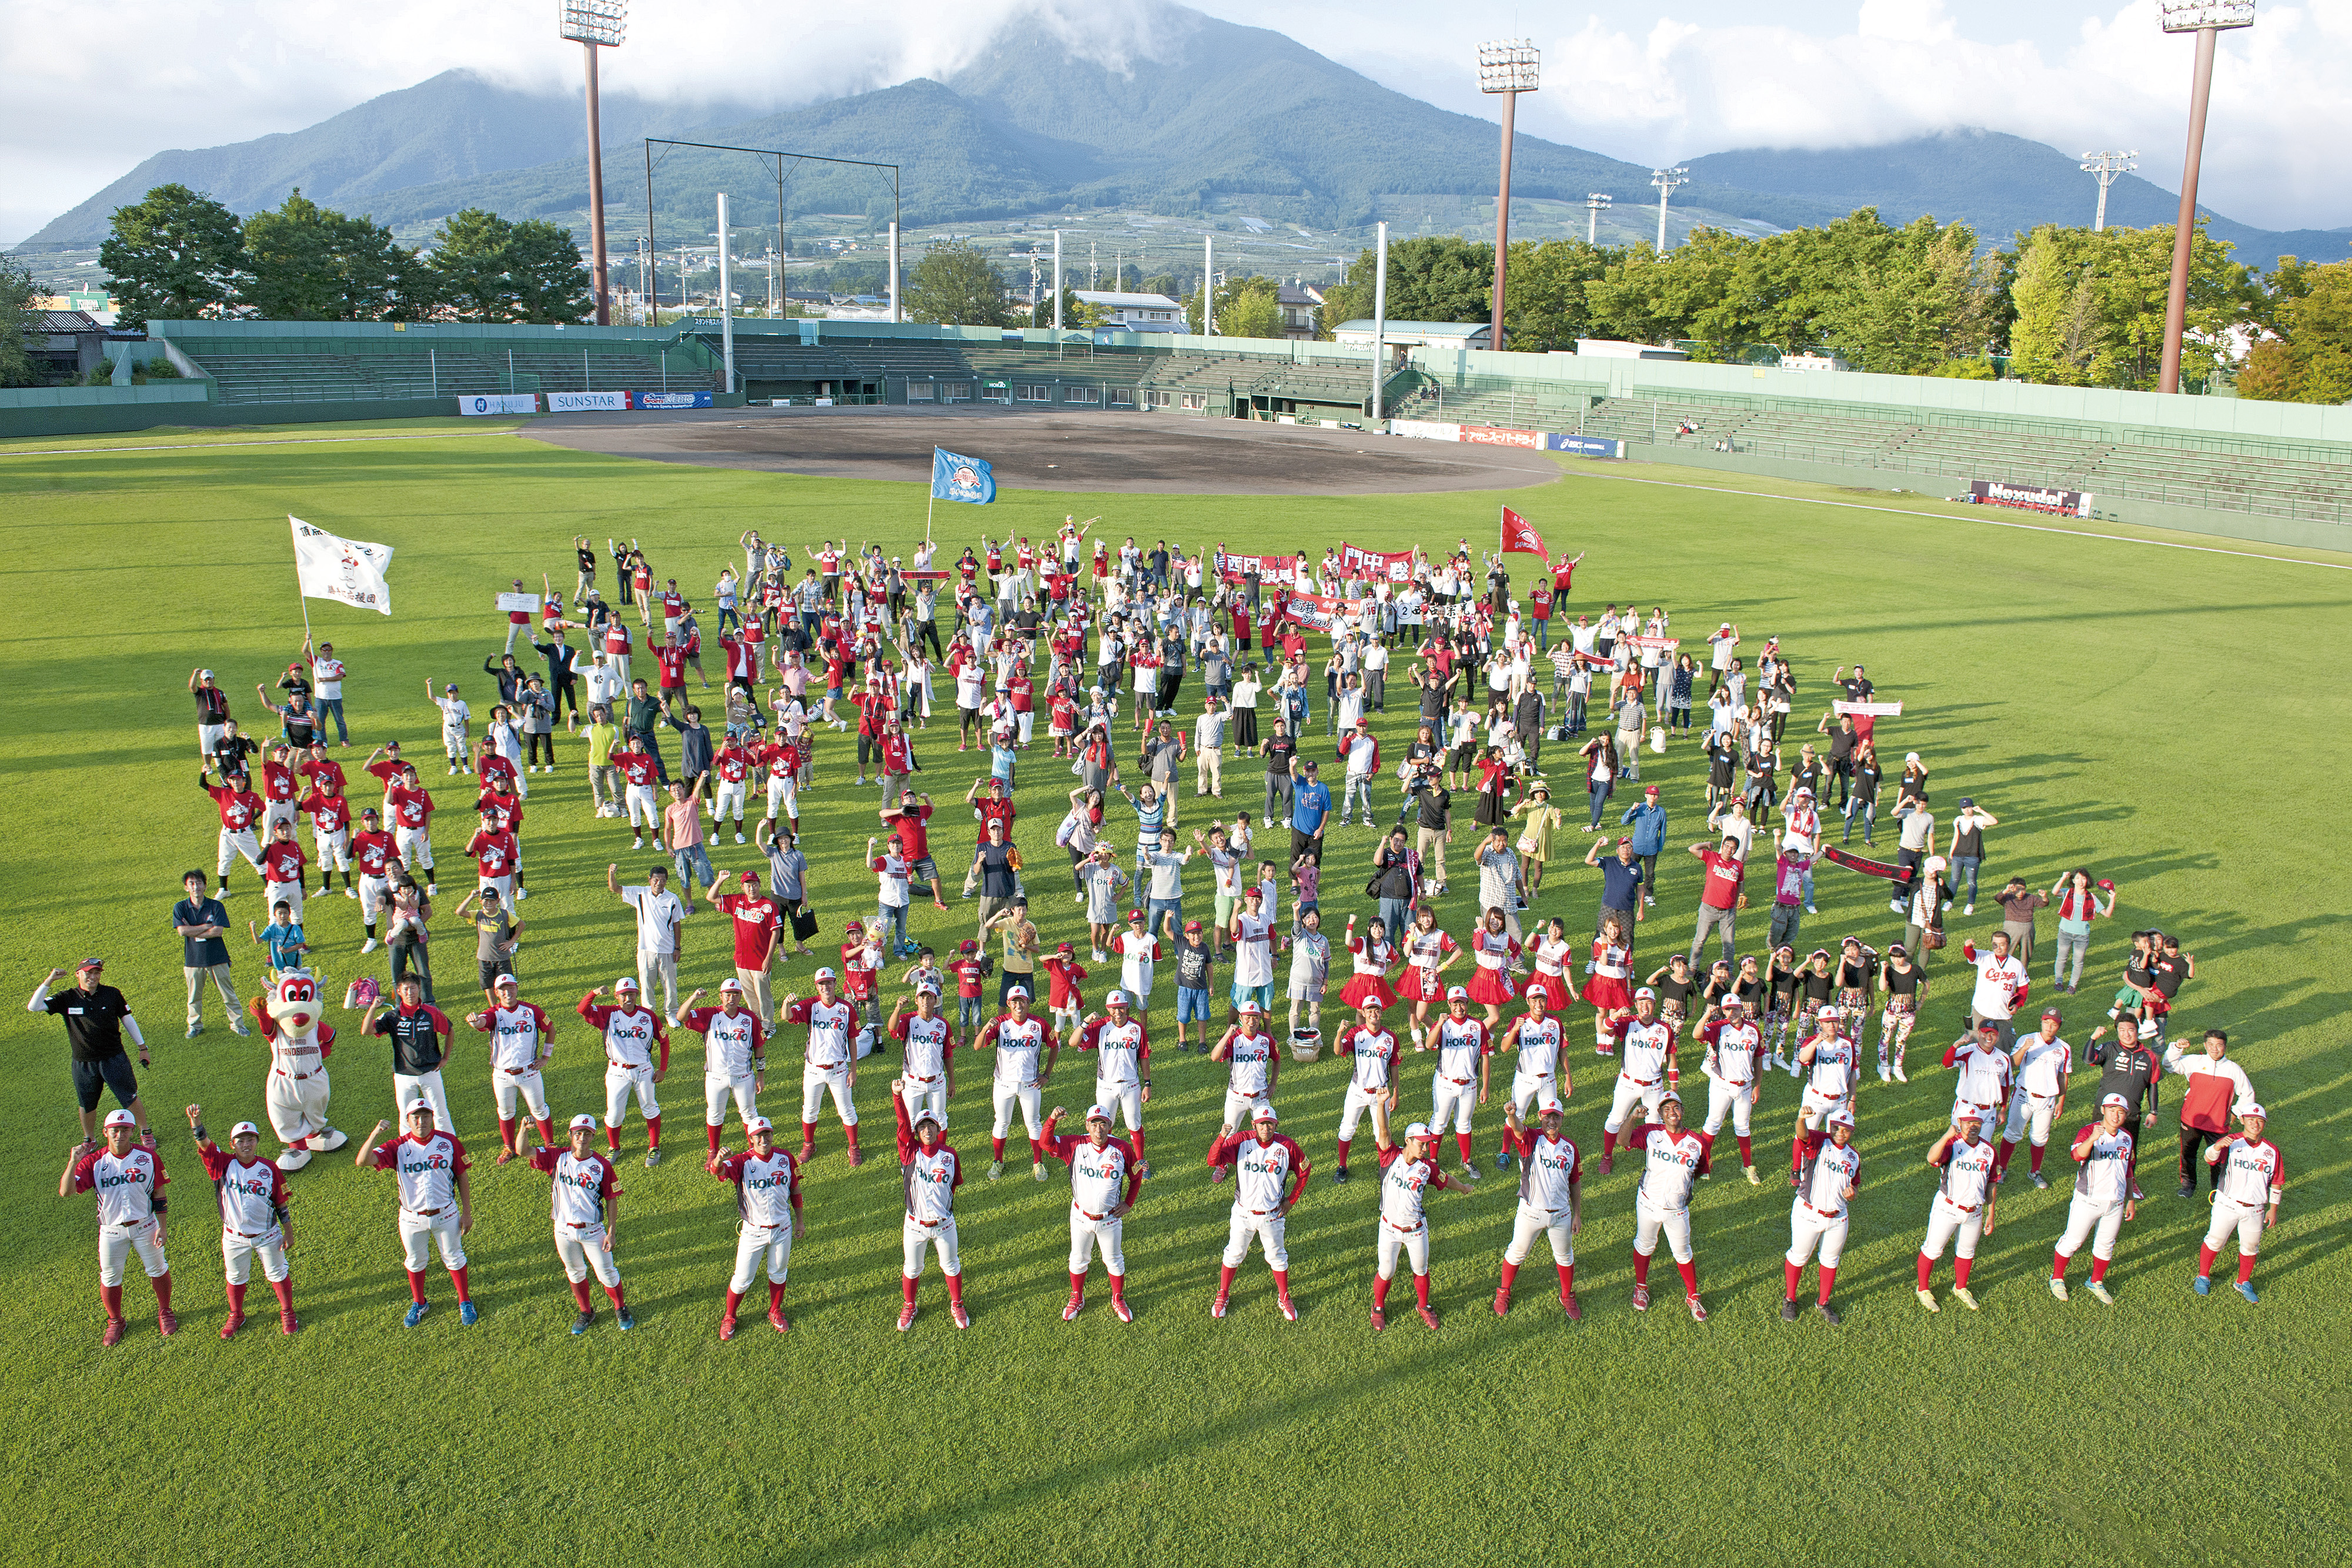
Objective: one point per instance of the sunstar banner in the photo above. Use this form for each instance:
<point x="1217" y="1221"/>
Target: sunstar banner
<point x="955" y="477"/>
<point x="349" y="572"/>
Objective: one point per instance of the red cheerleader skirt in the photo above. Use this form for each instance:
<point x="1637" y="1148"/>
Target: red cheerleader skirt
<point x="1368" y="988"/>
<point x="1554" y="987"/>
<point x="1422" y="985"/>
<point x="1608" y="993"/>
<point x="1491" y="987"/>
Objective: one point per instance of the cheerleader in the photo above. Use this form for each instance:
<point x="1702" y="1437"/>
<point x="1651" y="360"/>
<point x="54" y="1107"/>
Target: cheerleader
<point x="1493" y="954"/>
<point x="1550" y="950"/>
<point x="1813" y="985"/>
<point x="1607" y="989"/>
<point x="1906" y="984"/>
<point x="1372" y="955"/>
<point x="1675" y="984"/>
<point x="1857" y="966"/>
<point x="1428" y="953"/>
<point x="1780" y="1006"/>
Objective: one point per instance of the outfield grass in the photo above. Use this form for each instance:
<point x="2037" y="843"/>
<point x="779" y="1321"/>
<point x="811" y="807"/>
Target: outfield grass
<point x="2114" y="705"/>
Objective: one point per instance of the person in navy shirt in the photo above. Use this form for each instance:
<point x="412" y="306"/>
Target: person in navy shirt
<point x="1310" y="804"/>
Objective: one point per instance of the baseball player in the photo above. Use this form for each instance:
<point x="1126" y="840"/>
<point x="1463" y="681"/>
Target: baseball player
<point x="734" y="1055"/>
<point x="1540" y="1076"/>
<point x="1828" y="1060"/>
<point x="1254" y="1065"/>
<point x="1407" y="1172"/>
<point x="1962" y="1213"/>
<point x="1829" y="1171"/>
<point x="128" y="1176"/>
<point x="1271" y="1177"/>
<point x="330" y="832"/>
<point x="830" y="1063"/>
<point x="2102" y="1199"/>
<point x="2253" y="1179"/>
<point x="768" y="1200"/>
<point x="437" y="1202"/>
<point x="374" y="852"/>
<point x="420" y="1043"/>
<point x="633" y="1034"/>
<point x="1984" y="1069"/>
<point x="254" y="1218"/>
<point x="1673" y="1158"/>
<point x="239" y="808"/>
<point x="521" y="1041"/>
<point x="931" y="1172"/>
<point x="1370" y="1081"/>
<point x="1466" y="1055"/>
<point x="2041" y="1065"/>
<point x="587" y="1213"/>
<point x="1734" y="1066"/>
<point x="411" y="805"/>
<point x="1025" y="1051"/>
<point x="1551" y="1201"/>
<point x="1648" y="1071"/>
<point x="1122" y="1049"/>
<point x="926" y="1048"/>
<point x="1104" y="1178"/>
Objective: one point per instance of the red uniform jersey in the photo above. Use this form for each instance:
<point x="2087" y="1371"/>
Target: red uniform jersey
<point x="373" y="852"/>
<point x="328" y="813"/>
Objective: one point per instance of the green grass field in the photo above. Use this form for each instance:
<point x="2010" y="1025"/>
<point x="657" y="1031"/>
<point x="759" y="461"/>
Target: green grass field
<point x="2116" y="704"/>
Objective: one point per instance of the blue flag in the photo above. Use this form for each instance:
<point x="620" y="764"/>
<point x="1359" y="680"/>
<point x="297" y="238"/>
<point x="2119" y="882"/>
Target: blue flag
<point x="955" y="477"/>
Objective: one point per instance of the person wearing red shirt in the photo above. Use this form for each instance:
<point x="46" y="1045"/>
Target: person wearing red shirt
<point x="1720" y="900"/>
<point x="499" y="807"/>
<point x="638" y="771"/>
<point x="239" y="808"/>
<point x="279" y="789"/>
<point x="412" y="829"/>
<point x="970" y="974"/>
<point x="759" y="921"/>
<point x="733" y="766"/>
<point x="489" y="763"/>
<point x="908" y="819"/>
<point x="319" y="770"/>
<point x="331" y="824"/>
<point x="671" y="658"/>
<point x="282" y="865"/>
<point x="498" y="861"/>
<point x="1023" y="694"/>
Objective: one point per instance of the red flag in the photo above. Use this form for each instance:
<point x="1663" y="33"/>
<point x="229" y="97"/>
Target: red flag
<point x="1520" y="538"/>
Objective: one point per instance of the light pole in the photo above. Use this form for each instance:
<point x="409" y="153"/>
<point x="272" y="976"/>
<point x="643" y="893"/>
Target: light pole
<point x="1508" y="67"/>
<point x="1594" y="205"/>
<point x="2205" y="19"/>
<point x="1666" y="180"/>
<point x="597" y="25"/>
<point x="2109" y="167"/>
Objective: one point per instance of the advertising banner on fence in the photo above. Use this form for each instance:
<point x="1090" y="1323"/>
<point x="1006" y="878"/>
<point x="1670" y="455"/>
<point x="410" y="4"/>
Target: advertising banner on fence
<point x="674" y="400"/>
<point x="1396" y="565"/>
<point x="498" y="403"/>
<point x="2030" y="498"/>
<point x="1585" y="445"/>
<point x="1281" y="568"/>
<point x="586" y="401"/>
<point x="1424" y="430"/>
<point x="1494" y="436"/>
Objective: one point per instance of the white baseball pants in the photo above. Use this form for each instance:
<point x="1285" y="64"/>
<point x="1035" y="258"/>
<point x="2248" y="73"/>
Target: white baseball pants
<point x="1413" y="1244"/>
<point x="1530" y="1223"/>
<point x="2244" y="1218"/>
<point x="239" y="842"/>
<point x="334" y="849"/>
<point x="529" y="1085"/>
<point x="1358" y="1105"/>
<point x="926" y="1094"/>
<point x="1122" y="1099"/>
<point x="237" y="1253"/>
<point x="1086" y="1234"/>
<point x="583" y="1249"/>
<point x="716" y="1091"/>
<point x="503" y="884"/>
<point x="783" y="799"/>
<point x="1738" y="1100"/>
<point x="814" y="1083"/>
<point x="2030" y="1112"/>
<point x="2099" y="1221"/>
<point x="728" y="802"/>
<point x="1810" y="1229"/>
<point x="1267" y="1228"/>
<point x="427" y="1084"/>
<point x="1538" y="1091"/>
<point x="1949" y="1225"/>
<point x="375" y="897"/>
<point x="1241" y="1109"/>
<point x="641" y="809"/>
<point x="1027" y="1097"/>
<point x="415" y="847"/>
<point x="117" y="1242"/>
<point x="288" y="893"/>
<point x="1648" y="1221"/>
<point x="942" y="1236"/>
<point x="1815" y="1106"/>
<point x="753" y="1242"/>
<point x="1451" y="1100"/>
<point x="618" y="1082"/>
<point x="1627" y="1094"/>
<point x="418" y="1234"/>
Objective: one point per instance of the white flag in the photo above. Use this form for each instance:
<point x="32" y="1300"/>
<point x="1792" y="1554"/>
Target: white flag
<point x="348" y="571"/>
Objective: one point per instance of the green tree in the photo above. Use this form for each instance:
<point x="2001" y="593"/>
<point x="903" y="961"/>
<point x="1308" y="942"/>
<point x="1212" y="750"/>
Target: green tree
<point x="17" y="292"/>
<point x="957" y="286"/>
<point x="549" y="276"/>
<point x="1077" y="316"/>
<point x="484" y="268"/>
<point x="308" y="263"/>
<point x="2090" y="307"/>
<point x="2310" y="361"/>
<point x="172" y="256"/>
<point x="1545" y="305"/>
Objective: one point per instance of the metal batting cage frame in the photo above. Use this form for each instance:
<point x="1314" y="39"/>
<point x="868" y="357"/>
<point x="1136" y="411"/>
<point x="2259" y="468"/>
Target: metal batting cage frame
<point x="782" y="158"/>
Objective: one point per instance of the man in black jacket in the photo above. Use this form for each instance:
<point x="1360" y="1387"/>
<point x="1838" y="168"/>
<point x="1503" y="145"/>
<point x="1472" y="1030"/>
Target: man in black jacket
<point x="561" y="676"/>
<point x="2131" y="1070"/>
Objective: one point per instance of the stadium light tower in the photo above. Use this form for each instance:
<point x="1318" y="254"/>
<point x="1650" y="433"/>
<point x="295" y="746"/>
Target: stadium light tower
<point x="1667" y="181"/>
<point x="1594" y="205"/>
<point x="1508" y="67"/>
<point x="597" y="25"/>
<point x="2205" y="19"/>
<point x="2109" y="167"/>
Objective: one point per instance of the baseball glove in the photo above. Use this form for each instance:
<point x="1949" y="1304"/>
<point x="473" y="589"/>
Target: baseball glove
<point x="364" y="992"/>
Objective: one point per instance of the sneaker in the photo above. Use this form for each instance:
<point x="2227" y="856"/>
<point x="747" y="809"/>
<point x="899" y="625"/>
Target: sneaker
<point x="1038" y="1169"/>
<point x="2186" y="1191"/>
<point x="1830" y="1314"/>
<point x="857" y="1156"/>
<point x="2099" y="1290"/>
<point x="1502" y="1162"/>
<point x="957" y="1316"/>
<point x="1641" y="1297"/>
<point x="1899" y="1074"/>
<point x="580" y="1324"/>
<point x="1428" y="1315"/>
<point x="235" y="1321"/>
<point x="1928" y="1300"/>
<point x="1697" y="1309"/>
<point x="2203" y="1285"/>
<point x="807" y="1153"/>
<point x="2040" y="1180"/>
<point x="1971" y="909"/>
<point x="996" y="1170"/>
<point x="1286" y="1307"/>
<point x="2246" y="1289"/>
<point x="2058" y="1288"/>
<point x="906" y="1317"/>
<point x="653" y="1158"/>
<point x="351" y="893"/>
<point x="224" y="896"/>
<point x="1217" y="1307"/>
<point x="1470" y="1172"/>
<point x="468" y="1313"/>
<point x="1121" y="1311"/>
<point x="1608" y="1163"/>
<point x="1073" y="1307"/>
<point x="628" y="1320"/>
<point x="1340" y="1176"/>
<point x="1502" y="1302"/>
<point x="113" y="1334"/>
<point x="1753" y="1179"/>
<point x="1788" y="1311"/>
<point x="432" y="889"/>
<point x="1963" y="1295"/>
<point x="1379" y="1320"/>
<point x="777" y="1321"/>
<point x="239" y="1027"/>
<point x="1886" y="1076"/>
<point x="739" y="838"/>
<point x="194" y="1029"/>
<point x="287" y="1322"/>
<point x="1569" y="1305"/>
<point x="1810" y="910"/>
<point x="416" y="1314"/>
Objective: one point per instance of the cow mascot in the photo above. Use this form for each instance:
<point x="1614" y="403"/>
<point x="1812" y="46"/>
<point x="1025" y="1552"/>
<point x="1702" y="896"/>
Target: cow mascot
<point x="291" y="1018"/>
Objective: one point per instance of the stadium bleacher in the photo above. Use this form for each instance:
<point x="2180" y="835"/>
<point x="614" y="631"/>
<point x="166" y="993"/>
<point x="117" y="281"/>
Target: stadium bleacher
<point x="260" y="370"/>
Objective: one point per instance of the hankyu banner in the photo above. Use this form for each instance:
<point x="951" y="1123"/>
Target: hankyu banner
<point x="1585" y="445"/>
<point x="1495" y="436"/>
<point x="2030" y="498"/>
<point x="525" y="602"/>
<point x="586" y="401"/>
<point x="349" y="572"/>
<point x="498" y="403"/>
<point x="1355" y="561"/>
<point x="1319" y="610"/>
<point x="1279" y="569"/>
<point x="1871" y="710"/>
<point x="1424" y="430"/>
<point x="673" y="400"/>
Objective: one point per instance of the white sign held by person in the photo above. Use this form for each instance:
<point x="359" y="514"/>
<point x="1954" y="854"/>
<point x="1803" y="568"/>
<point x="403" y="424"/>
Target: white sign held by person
<point x="1872" y="710"/>
<point x="349" y="572"/>
<point x="527" y="602"/>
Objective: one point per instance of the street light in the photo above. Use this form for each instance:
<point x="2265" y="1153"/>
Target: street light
<point x="597" y="25"/>
<point x="2205" y="19"/>
<point x="1508" y="67"/>
<point x="1666" y="180"/>
<point x="2109" y="167"/>
<point x="1594" y="205"/>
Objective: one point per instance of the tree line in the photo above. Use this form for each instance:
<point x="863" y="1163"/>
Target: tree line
<point x="176" y="255"/>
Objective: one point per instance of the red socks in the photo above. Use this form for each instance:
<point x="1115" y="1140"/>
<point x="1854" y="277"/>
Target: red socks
<point x="457" y="1278"/>
<point x="236" y="1301"/>
<point x="1747" y="1154"/>
<point x="2058" y="1265"/>
<point x="808" y="1135"/>
<point x="1641" y="1268"/>
<point x="580" y="1294"/>
<point x="1462" y="1141"/>
<point x="285" y="1291"/>
<point x="1510" y="1273"/>
<point x="712" y="1133"/>
<point x="2245" y="1267"/>
<point x="2098" y="1270"/>
<point x="996" y="1149"/>
<point x="112" y="1296"/>
<point x="653" y="1134"/>
<point x="1282" y="1284"/>
<point x="775" y="1295"/>
<point x="612" y="1140"/>
<point x="1690" y="1278"/>
<point x="1135" y="1138"/>
<point x="1119" y="1287"/>
<point x="1828" y="1278"/>
<point x="546" y="1132"/>
<point x="1036" y="1152"/>
<point x="505" y="1133"/>
<point x="2037" y="1159"/>
<point x="2000" y="1160"/>
<point x="735" y="1298"/>
<point x="1608" y="1144"/>
<point x="955" y="1291"/>
<point x="1380" y="1295"/>
<point x="910" y="1291"/>
<point x="1343" y="1151"/>
<point x="415" y="1286"/>
<point x="1077" y="1287"/>
<point x="851" y="1133"/>
<point x="1926" y="1270"/>
<point x="612" y="1294"/>
<point x="2205" y="1255"/>
<point x="1795" y="1273"/>
<point x="1421" y="1290"/>
<point x="1225" y="1281"/>
<point x="1567" y="1280"/>
<point x="1960" y="1273"/>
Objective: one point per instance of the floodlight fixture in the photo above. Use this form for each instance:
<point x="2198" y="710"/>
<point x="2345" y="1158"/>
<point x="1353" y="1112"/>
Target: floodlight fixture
<point x="1508" y="67"/>
<point x="1667" y="181"/>
<point x="603" y="23"/>
<point x="1594" y="205"/>
<point x="2208" y="19"/>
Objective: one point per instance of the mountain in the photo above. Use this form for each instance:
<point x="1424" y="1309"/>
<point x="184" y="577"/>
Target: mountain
<point x="456" y="125"/>
<point x="1998" y="184"/>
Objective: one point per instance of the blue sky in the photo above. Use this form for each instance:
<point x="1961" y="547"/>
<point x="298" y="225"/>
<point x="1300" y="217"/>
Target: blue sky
<point x="1644" y="82"/>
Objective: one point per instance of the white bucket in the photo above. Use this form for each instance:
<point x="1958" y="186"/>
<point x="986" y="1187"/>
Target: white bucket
<point x="1305" y="1044"/>
<point x="1658" y="738"/>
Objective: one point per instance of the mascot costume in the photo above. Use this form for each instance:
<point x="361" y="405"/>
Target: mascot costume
<point x="290" y="1015"/>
